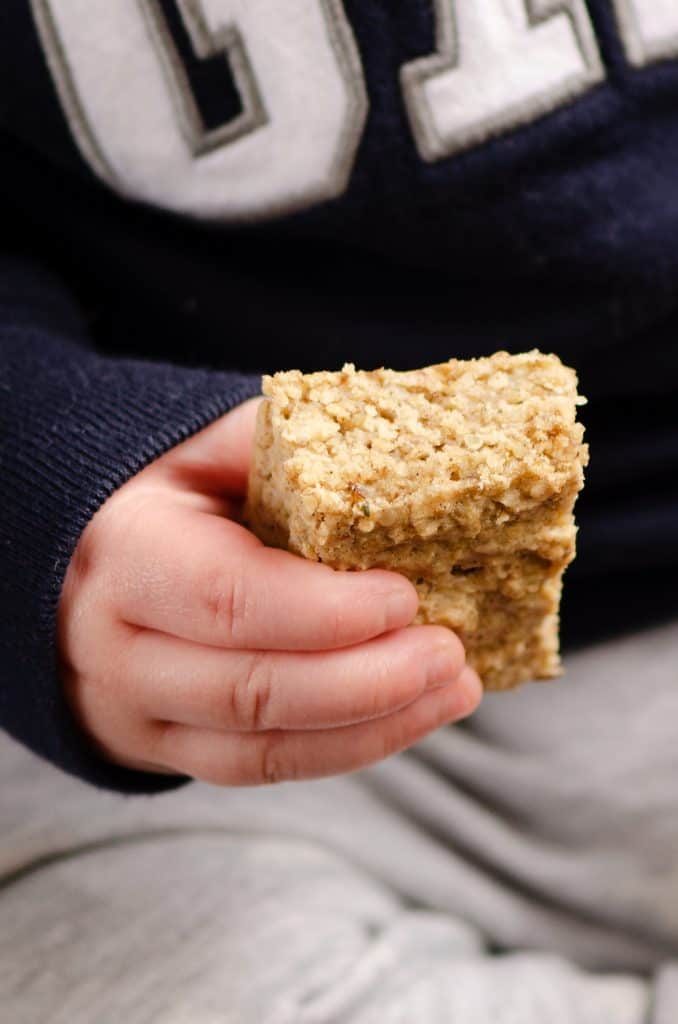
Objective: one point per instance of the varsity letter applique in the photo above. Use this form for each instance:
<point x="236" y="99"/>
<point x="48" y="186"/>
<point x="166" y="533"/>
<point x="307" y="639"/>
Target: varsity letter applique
<point x="128" y="98"/>
<point x="649" y="29"/>
<point x="498" y="66"/>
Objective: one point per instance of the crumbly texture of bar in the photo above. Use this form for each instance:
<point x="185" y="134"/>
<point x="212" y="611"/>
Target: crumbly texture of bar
<point x="460" y="476"/>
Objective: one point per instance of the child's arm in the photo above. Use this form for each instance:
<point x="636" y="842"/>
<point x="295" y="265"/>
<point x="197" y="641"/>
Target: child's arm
<point x="73" y="427"/>
<point x="186" y="645"/>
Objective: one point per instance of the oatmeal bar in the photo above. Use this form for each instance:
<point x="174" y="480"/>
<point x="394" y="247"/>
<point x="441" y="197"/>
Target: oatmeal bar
<point x="460" y="476"/>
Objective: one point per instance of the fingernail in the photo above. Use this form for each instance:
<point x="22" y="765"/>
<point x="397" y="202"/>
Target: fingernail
<point x="471" y="686"/>
<point x="400" y="604"/>
<point x="442" y="668"/>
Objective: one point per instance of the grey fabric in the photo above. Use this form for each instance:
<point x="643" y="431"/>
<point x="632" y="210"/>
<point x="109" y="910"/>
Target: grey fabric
<point x="521" y="869"/>
<point x="666" y="996"/>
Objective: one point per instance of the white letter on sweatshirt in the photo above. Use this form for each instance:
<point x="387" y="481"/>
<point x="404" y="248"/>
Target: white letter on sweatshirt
<point x="500" y="64"/>
<point x="649" y="30"/>
<point x="128" y="99"/>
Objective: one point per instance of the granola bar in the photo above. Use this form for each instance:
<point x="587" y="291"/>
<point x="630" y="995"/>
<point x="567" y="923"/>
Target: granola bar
<point x="460" y="476"/>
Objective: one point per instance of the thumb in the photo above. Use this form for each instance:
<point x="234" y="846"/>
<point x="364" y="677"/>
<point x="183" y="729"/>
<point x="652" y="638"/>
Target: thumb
<point x="217" y="459"/>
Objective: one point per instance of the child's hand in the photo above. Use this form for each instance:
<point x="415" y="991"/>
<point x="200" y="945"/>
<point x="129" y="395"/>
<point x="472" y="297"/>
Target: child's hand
<point x="190" y="647"/>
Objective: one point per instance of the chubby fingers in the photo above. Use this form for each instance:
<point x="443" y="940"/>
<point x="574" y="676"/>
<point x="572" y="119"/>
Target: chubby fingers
<point x="207" y="579"/>
<point x="247" y="691"/>
<point x="239" y="759"/>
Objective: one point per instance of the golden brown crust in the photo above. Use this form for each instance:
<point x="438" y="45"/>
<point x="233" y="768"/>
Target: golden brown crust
<point x="462" y="476"/>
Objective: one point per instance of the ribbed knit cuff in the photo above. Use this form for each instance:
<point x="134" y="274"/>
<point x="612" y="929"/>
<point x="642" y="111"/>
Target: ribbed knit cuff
<point x="73" y="428"/>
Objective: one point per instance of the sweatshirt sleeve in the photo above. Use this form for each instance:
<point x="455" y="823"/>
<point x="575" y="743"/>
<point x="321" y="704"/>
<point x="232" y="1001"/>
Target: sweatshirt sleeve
<point x="74" y="426"/>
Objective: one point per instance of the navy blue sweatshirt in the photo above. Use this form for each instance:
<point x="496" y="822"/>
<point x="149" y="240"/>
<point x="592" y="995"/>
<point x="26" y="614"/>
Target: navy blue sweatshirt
<point x="196" y="192"/>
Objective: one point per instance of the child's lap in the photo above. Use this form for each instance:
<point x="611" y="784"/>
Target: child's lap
<point x="298" y="903"/>
<point x="209" y="926"/>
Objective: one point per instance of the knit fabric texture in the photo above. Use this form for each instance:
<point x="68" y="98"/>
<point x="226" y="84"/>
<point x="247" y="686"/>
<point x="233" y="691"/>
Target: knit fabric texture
<point x="74" y="426"/>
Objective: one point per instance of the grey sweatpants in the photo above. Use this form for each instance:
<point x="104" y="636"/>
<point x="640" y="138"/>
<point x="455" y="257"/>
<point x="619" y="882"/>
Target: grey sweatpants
<point x="520" y="869"/>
